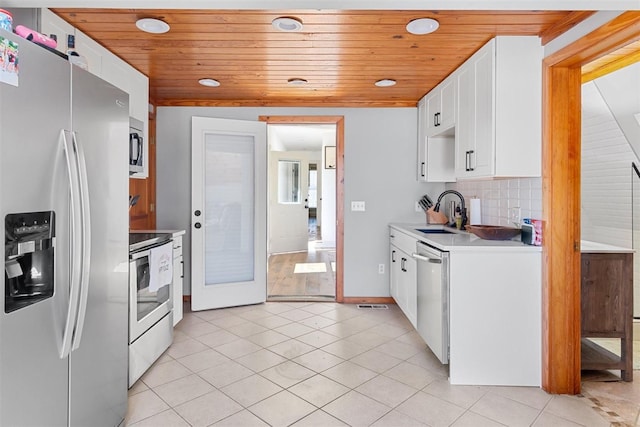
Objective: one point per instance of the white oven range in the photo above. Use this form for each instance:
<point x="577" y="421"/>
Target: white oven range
<point x="150" y="307"/>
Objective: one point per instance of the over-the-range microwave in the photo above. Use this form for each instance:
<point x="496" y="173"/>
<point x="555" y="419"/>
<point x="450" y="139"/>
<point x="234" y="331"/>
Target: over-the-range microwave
<point x="136" y="146"/>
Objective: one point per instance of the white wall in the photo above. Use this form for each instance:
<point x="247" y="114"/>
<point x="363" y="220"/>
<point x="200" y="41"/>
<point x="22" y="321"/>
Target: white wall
<point x="380" y="153"/>
<point x="606" y="173"/>
<point x="621" y="92"/>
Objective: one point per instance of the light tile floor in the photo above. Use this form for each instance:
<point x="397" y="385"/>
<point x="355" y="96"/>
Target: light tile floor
<point x="328" y="364"/>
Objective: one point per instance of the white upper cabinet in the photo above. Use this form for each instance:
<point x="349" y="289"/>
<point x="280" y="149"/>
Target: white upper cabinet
<point x="436" y="133"/>
<point x="498" y="128"/>
<point x="52" y="24"/>
<point x="421" y="170"/>
<point x="441" y="111"/>
<point x="104" y="64"/>
<point x="92" y="51"/>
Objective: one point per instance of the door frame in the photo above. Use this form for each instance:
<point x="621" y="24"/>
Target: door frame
<point x="561" y="161"/>
<point x="339" y="122"/>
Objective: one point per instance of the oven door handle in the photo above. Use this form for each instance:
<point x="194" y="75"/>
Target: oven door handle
<point x="422" y="257"/>
<point x="147" y="251"/>
<point x="139" y="255"/>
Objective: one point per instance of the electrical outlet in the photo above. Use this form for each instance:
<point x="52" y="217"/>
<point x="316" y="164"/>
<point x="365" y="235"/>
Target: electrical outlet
<point x="514" y="215"/>
<point x="357" y="206"/>
<point x="417" y="207"/>
<point x="380" y="268"/>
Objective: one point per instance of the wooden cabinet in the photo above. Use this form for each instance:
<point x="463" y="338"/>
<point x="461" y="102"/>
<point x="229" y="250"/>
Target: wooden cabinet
<point x="403" y="273"/>
<point x="606" y="303"/>
<point x="143" y="215"/>
<point x="498" y="127"/>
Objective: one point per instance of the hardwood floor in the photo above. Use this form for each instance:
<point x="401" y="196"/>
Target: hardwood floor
<point x="303" y="276"/>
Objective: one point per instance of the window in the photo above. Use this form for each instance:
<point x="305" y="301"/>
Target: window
<point x="288" y="181"/>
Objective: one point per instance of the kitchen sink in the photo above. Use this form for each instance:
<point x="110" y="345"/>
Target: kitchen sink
<point x="434" y="231"/>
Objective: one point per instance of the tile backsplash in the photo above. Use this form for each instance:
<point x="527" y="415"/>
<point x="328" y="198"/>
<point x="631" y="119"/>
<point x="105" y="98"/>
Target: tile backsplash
<point x="498" y="197"/>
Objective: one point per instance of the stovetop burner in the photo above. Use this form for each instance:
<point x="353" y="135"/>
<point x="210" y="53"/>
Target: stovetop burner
<point x="138" y="241"/>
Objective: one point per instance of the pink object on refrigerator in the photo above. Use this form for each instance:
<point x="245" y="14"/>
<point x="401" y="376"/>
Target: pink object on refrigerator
<point x="35" y="36"/>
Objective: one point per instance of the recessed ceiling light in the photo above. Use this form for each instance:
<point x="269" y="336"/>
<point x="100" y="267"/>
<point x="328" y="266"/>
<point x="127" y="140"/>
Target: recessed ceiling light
<point x="422" y="26"/>
<point x="385" y="83"/>
<point x="297" y="82"/>
<point x="152" y="25"/>
<point x="287" y="23"/>
<point x="209" y="82"/>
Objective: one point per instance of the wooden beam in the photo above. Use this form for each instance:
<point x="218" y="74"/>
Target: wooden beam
<point x="565" y="24"/>
<point x="611" y="63"/>
<point x="561" y="230"/>
<point x="561" y="198"/>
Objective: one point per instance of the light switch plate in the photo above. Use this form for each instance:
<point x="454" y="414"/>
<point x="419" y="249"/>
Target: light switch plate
<point x="357" y="206"/>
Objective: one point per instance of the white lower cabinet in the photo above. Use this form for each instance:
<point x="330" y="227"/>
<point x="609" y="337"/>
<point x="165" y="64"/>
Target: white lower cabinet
<point x="495" y="317"/>
<point x="494" y="305"/>
<point x="178" y="275"/>
<point x="403" y="283"/>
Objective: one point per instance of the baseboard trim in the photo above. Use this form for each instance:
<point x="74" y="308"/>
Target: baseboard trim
<point x="368" y="300"/>
<point x="346" y="300"/>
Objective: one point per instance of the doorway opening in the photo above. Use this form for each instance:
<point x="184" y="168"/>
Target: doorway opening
<point x="301" y="212"/>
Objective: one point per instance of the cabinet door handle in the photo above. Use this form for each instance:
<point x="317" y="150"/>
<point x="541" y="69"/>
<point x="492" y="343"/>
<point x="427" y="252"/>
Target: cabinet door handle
<point x="422" y="169"/>
<point x="402" y="262"/>
<point x="393" y="256"/>
<point x="466" y="161"/>
<point x="471" y="168"/>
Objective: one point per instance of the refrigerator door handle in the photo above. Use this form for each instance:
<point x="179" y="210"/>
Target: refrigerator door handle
<point x="75" y="244"/>
<point x="85" y="233"/>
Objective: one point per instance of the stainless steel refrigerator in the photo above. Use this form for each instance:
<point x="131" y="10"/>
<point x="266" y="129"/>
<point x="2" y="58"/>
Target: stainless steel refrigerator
<point x="63" y="201"/>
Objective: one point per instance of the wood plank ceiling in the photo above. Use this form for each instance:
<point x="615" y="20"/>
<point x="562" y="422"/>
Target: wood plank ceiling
<point x="341" y="54"/>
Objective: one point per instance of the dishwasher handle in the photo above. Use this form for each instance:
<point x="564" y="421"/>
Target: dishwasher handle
<point x="422" y="257"/>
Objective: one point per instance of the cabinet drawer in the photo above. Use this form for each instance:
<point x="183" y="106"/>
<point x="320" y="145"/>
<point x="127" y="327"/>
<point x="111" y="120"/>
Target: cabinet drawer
<point x="402" y="241"/>
<point x="177" y="247"/>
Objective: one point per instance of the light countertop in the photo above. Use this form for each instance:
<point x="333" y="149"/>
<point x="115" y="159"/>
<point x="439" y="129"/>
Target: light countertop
<point x="587" y="246"/>
<point x="462" y="240"/>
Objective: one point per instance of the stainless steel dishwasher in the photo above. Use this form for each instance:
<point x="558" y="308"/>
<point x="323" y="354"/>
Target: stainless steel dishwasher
<point x="433" y="299"/>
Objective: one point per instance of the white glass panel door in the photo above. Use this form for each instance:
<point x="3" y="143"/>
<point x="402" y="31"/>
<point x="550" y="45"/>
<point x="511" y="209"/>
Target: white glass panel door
<point x="228" y="213"/>
<point x="288" y="202"/>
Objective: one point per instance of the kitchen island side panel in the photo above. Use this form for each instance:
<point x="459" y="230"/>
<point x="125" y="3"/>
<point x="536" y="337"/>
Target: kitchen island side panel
<point x="495" y="318"/>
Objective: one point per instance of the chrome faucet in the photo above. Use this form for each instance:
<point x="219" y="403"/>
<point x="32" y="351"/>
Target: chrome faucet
<point x="463" y="210"/>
